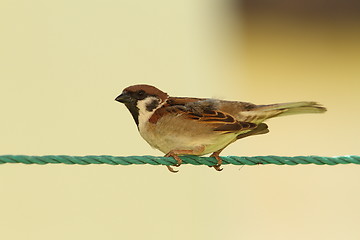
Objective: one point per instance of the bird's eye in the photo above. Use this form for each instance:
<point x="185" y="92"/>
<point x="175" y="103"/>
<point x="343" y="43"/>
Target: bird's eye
<point x="141" y="93"/>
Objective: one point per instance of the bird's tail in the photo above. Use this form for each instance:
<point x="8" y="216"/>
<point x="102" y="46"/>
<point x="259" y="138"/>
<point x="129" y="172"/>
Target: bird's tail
<point x="263" y="112"/>
<point x="284" y="109"/>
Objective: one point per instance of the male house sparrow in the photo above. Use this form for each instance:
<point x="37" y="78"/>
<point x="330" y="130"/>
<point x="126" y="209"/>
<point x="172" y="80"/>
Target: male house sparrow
<point x="198" y="126"/>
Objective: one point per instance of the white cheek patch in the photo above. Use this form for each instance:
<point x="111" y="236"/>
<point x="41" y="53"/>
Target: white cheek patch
<point x="144" y="113"/>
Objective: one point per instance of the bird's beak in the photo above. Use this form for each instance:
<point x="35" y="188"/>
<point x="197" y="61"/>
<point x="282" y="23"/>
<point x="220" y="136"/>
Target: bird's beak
<point x="123" y="98"/>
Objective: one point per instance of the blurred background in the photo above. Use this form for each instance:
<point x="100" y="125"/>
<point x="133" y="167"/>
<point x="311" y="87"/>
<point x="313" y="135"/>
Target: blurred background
<point x="62" y="63"/>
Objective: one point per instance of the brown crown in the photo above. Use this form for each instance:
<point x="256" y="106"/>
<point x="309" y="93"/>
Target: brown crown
<point x="148" y="89"/>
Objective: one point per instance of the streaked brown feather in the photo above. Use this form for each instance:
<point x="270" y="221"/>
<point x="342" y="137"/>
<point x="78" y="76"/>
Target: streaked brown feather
<point x="217" y="120"/>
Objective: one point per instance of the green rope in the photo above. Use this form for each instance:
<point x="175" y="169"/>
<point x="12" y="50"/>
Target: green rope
<point x="195" y="160"/>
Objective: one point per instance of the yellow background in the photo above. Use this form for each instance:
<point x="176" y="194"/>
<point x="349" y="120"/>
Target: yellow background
<point x="62" y="63"/>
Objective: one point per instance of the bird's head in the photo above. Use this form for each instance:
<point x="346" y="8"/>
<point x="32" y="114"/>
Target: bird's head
<point x="142" y="99"/>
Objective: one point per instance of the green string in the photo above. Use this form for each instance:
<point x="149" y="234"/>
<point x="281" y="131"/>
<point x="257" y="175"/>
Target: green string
<point x="195" y="160"/>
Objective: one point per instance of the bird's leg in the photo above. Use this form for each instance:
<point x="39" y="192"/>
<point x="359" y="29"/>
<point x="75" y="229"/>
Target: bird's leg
<point x="175" y="154"/>
<point x="176" y="157"/>
<point x="216" y="154"/>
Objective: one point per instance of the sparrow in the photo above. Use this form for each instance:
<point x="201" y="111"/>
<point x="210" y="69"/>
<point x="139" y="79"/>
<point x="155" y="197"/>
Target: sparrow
<point x="197" y="126"/>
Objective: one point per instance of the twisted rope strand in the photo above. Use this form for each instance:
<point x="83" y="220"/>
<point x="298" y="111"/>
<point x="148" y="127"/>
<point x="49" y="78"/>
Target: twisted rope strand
<point x="195" y="160"/>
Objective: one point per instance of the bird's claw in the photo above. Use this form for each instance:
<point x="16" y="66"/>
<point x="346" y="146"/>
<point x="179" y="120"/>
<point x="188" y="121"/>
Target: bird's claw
<point x="171" y="169"/>
<point x="217" y="166"/>
<point x="178" y="161"/>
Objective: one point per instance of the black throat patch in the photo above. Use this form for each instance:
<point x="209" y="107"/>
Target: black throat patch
<point x="134" y="111"/>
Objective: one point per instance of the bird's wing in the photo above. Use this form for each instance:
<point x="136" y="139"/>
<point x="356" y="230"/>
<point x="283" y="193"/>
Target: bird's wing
<point x="202" y="111"/>
<point x="220" y="121"/>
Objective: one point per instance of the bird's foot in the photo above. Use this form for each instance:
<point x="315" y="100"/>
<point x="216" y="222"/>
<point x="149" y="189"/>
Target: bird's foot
<point x="178" y="161"/>
<point x="217" y="166"/>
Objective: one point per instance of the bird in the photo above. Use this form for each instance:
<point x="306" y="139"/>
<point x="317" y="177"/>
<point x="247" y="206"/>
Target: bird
<point x="180" y="126"/>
